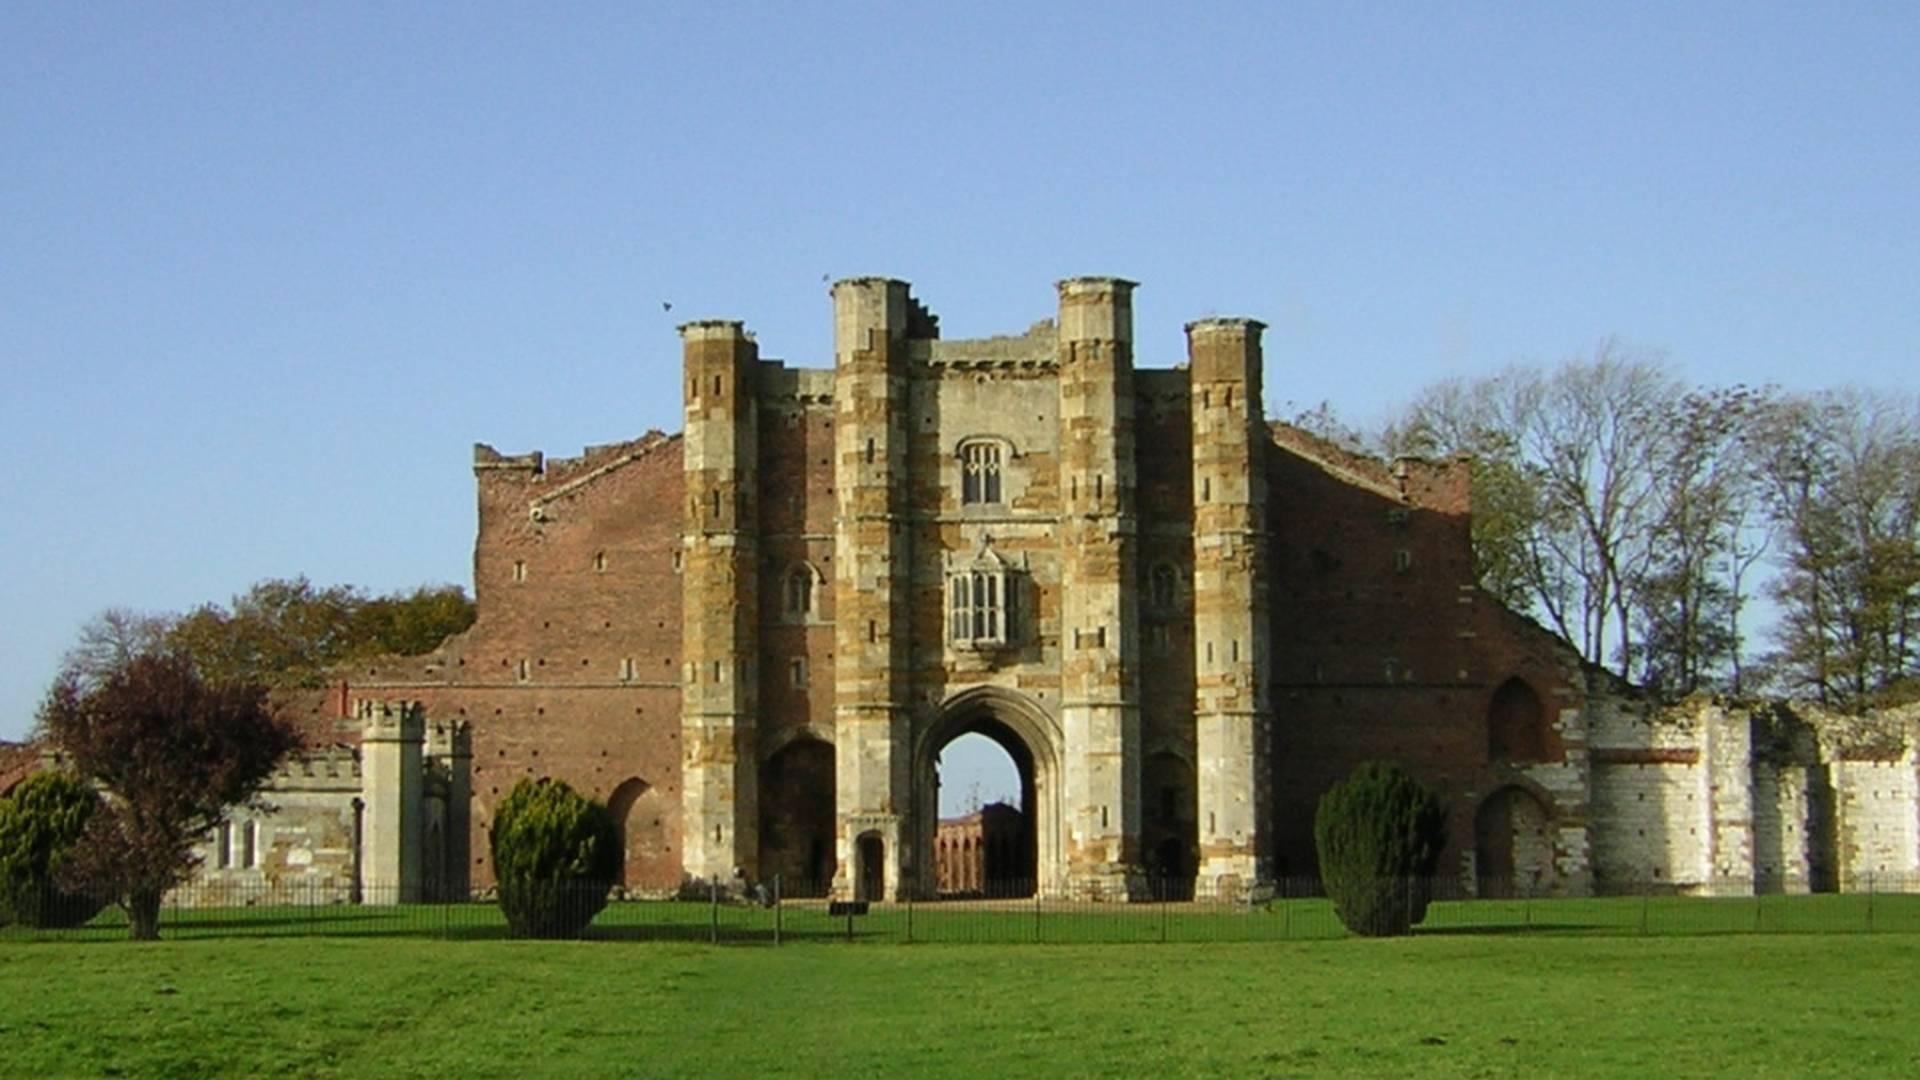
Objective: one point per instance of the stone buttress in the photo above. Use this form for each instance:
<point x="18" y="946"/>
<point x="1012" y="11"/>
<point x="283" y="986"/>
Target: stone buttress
<point x="1233" y="716"/>
<point x="872" y="321"/>
<point x="1099" y="647"/>
<point x="720" y="611"/>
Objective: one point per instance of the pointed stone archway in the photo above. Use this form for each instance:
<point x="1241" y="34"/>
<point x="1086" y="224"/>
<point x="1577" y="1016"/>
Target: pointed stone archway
<point x="1032" y="738"/>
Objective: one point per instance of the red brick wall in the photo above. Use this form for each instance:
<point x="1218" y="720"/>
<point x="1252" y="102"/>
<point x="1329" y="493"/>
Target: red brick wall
<point x="574" y="594"/>
<point x="1379" y="655"/>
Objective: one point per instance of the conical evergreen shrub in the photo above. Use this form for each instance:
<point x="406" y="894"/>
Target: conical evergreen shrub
<point x="40" y="821"/>
<point x="555" y="856"/>
<point x="1379" y="833"/>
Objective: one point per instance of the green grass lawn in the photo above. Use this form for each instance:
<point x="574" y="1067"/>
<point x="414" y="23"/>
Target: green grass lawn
<point x="1027" y="922"/>
<point x="1434" y="1004"/>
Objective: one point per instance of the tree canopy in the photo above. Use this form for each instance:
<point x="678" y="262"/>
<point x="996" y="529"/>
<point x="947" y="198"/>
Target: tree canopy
<point x="1640" y="519"/>
<point x="172" y="752"/>
<point x="281" y="632"/>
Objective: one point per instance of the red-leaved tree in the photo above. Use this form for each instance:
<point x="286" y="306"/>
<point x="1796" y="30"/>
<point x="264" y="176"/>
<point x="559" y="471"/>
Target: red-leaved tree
<point x="173" y="754"/>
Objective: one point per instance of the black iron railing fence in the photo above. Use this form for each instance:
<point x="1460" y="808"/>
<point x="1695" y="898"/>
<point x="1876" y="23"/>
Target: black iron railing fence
<point x="1292" y="910"/>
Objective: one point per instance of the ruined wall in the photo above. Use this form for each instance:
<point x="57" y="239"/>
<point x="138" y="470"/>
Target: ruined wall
<point x="1715" y="797"/>
<point x="1385" y="649"/>
<point x="571" y="669"/>
<point x="1651" y="795"/>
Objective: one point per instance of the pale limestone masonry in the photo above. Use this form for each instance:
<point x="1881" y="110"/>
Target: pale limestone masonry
<point x="718" y="729"/>
<point x="383" y="822"/>
<point x="1722" y="799"/>
<point x="1232" y="711"/>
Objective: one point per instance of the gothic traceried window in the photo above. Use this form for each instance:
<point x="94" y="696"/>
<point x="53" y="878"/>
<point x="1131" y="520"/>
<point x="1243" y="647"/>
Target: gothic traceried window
<point x="980" y="603"/>
<point x="980" y="473"/>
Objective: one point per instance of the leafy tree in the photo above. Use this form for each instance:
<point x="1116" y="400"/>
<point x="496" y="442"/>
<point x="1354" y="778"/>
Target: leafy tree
<point x="172" y="753"/>
<point x="1841" y="473"/>
<point x="40" y="822"/>
<point x="1379" y="833"/>
<point x="556" y="854"/>
<point x="282" y="632"/>
<point x="1689" y="597"/>
<point x="112" y="638"/>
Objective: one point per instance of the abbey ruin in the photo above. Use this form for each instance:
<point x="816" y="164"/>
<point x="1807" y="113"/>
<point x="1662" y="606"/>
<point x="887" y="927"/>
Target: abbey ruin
<point x="1183" y="621"/>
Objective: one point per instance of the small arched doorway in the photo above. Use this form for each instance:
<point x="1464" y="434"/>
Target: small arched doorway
<point x="646" y="861"/>
<point x="1018" y="844"/>
<point x="1171" y="834"/>
<point x="870" y="867"/>
<point x="1513" y="845"/>
<point x="796" y="817"/>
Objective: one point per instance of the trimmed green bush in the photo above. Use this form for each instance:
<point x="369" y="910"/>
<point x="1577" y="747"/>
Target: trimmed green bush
<point x="40" y="821"/>
<point x="1379" y="834"/>
<point x="555" y="856"/>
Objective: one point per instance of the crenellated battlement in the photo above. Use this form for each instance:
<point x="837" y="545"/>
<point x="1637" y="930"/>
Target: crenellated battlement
<point x="450" y="739"/>
<point x="391" y="721"/>
<point x="337" y="762"/>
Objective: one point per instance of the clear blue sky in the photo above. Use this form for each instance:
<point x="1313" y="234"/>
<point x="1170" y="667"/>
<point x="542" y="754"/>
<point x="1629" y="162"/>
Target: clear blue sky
<point x="267" y="271"/>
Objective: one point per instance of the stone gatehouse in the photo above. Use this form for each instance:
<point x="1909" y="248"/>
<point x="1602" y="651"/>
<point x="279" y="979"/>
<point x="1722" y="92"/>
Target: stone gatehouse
<point x="1182" y="621"/>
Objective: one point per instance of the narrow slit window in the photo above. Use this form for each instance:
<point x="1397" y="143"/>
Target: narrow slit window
<point x="800" y="593"/>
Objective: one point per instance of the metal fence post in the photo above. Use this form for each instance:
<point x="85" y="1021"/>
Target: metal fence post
<point x="713" y="892"/>
<point x="776" y="909"/>
<point x="1036" y="915"/>
<point x="1166" y="905"/>
<point x="1869" y="903"/>
<point x="909" y="918"/>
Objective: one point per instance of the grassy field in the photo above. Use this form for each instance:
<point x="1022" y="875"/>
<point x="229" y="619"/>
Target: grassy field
<point x="1026" y="922"/>
<point x="1434" y="1004"/>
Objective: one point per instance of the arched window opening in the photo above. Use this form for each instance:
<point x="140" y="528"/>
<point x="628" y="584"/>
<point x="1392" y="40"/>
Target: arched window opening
<point x="1163" y="587"/>
<point x="980" y="473"/>
<point x="799" y="592"/>
<point x="1516" y="724"/>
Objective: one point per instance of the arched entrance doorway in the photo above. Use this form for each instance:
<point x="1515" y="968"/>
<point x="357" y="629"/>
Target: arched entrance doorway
<point x="796" y="817"/>
<point x="1513" y="845"/>
<point x="1022" y="856"/>
<point x="984" y="842"/>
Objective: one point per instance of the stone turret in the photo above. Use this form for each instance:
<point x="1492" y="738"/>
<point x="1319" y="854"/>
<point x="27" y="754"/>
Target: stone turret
<point x="873" y="320"/>
<point x="1099" y="688"/>
<point x="1233" y="715"/>
<point x="391" y="780"/>
<point x="721" y="609"/>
